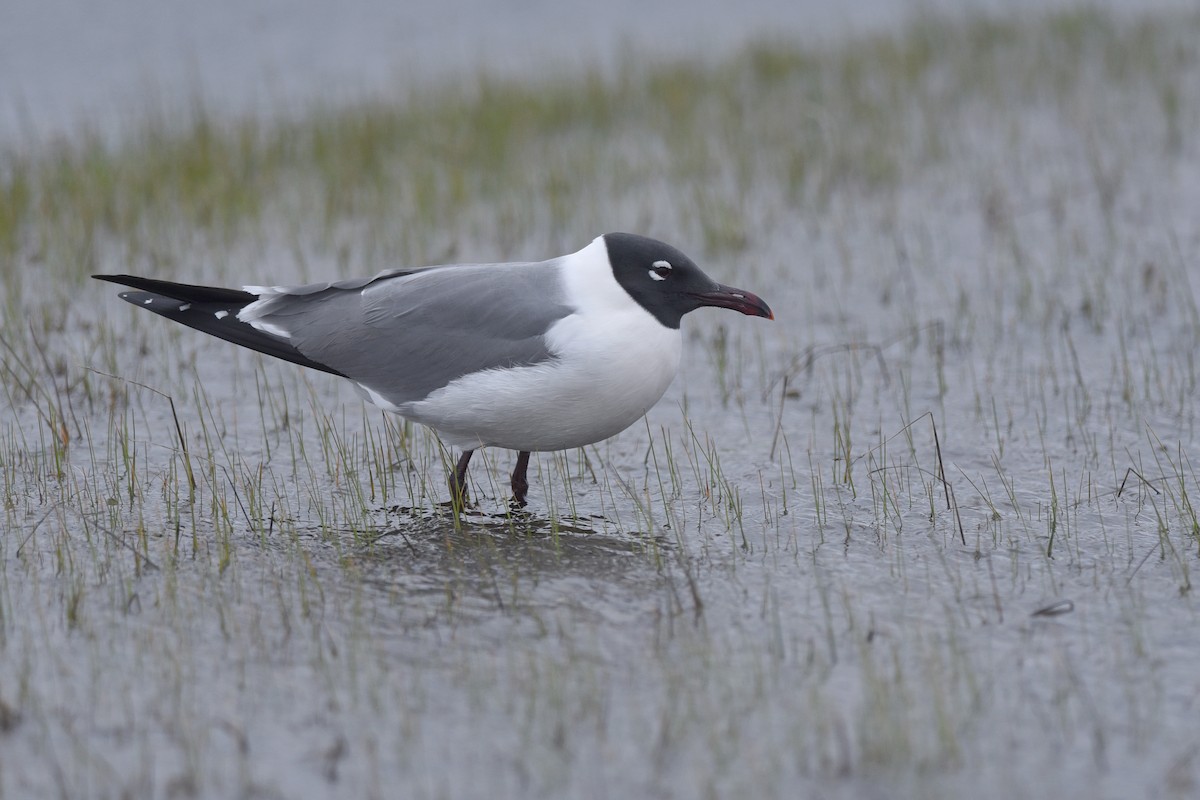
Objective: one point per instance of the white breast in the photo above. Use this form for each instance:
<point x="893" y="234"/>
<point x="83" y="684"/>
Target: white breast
<point x="613" y="361"/>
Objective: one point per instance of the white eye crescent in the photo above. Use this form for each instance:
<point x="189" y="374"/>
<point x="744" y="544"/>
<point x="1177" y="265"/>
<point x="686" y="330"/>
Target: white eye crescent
<point x="659" y="270"/>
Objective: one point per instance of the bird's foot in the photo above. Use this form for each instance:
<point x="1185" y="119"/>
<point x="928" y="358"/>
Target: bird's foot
<point x="518" y="498"/>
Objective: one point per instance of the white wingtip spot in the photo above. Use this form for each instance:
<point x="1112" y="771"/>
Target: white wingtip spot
<point x="185" y="306"/>
<point x="148" y="301"/>
<point x="221" y="314"/>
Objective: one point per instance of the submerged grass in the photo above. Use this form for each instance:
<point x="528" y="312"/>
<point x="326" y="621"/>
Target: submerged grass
<point x="944" y="508"/>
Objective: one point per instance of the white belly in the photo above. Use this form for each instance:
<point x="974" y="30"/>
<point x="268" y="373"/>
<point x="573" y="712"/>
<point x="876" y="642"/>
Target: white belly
<point x="599" y="383"/>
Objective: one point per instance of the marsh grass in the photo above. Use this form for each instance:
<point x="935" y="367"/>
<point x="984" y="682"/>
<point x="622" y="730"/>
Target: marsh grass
<point x="943" y="508"/>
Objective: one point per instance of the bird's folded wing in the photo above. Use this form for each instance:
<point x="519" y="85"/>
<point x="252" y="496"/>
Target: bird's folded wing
<point x="406" y="335"/>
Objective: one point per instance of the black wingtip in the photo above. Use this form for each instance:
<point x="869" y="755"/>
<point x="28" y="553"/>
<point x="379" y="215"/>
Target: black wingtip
<point x="148" y="298"/>
<point x="210" y="310"/>
<point x="183" y="292"/>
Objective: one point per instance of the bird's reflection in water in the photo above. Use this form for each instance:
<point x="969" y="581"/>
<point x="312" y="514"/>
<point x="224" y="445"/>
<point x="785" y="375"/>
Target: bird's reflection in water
<point x="420" y="533"/>
<point x="488" y="562"/>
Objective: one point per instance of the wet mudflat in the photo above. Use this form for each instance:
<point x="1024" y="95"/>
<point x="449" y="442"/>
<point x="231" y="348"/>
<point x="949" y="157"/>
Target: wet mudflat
<point x="226" y="576"/>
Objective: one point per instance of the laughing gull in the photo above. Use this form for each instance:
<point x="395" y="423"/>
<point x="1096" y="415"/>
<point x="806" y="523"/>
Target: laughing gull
<point x="548" y="355"/>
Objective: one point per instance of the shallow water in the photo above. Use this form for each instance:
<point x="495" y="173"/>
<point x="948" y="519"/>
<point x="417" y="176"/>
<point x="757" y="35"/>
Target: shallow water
<point x="760" y="591"/>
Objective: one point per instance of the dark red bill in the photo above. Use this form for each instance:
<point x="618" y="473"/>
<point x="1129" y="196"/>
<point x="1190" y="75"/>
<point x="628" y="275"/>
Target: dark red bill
<point x="738" y="300"/>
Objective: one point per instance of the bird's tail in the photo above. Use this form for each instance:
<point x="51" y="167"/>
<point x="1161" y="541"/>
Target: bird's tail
<point x="212" y="310"/>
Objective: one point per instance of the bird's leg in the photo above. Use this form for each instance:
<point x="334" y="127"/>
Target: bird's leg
<point x="458" y="481"/>
<point x="520" y="485"/>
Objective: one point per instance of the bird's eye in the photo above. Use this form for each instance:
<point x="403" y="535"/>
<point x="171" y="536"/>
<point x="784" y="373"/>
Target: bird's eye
<point x="659" y="270"/>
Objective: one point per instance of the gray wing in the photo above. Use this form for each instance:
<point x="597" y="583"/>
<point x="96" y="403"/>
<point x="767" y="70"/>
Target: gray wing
<point x="406" y="334"/>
